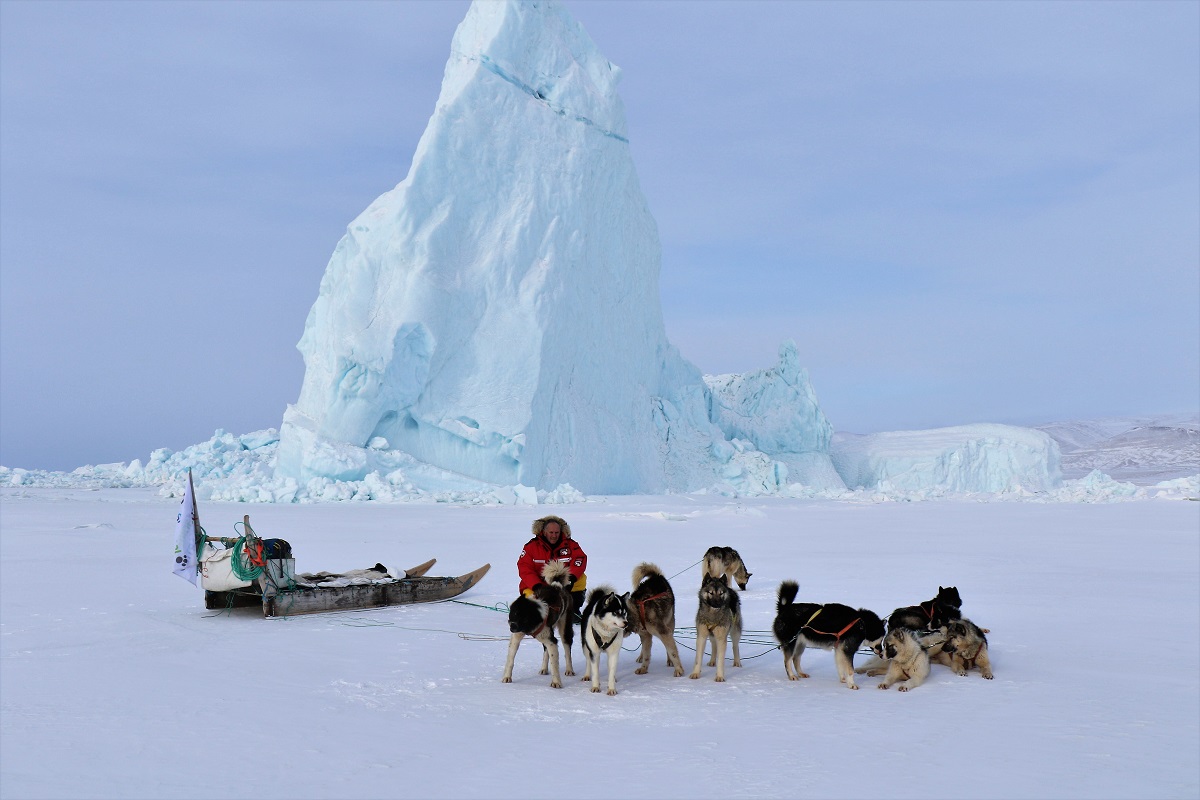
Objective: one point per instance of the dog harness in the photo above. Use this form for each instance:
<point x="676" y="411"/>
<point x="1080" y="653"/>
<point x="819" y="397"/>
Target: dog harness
<point x="641" y="603"/>
<point x="837" y="637"/>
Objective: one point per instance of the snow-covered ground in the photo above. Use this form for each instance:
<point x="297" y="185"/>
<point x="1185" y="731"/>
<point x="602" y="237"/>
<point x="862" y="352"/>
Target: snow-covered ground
<point x="116" y="682"/>
<point x="1142" y="450"/>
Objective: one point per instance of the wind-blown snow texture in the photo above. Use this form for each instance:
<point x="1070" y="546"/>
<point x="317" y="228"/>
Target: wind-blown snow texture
<point x="497" y="314"/>
<point x="118" y="684"/>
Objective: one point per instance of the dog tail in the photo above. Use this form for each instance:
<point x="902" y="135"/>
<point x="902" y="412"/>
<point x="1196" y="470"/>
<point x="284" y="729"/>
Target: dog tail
<point x="787" y="594"/>
<point x="643" y="571"/>
<point x="714" y="566"/>
<point x="556" y="573"/>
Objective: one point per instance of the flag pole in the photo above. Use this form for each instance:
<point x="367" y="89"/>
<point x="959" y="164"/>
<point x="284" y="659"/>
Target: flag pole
<point x="196" y="529"/>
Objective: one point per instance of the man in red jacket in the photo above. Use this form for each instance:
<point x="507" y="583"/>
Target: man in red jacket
<point x="552" y="542"/>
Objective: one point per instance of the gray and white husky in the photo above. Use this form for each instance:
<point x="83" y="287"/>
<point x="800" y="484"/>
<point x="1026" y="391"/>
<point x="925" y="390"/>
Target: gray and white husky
<point x="605" y="618"/>
<point x="718" y="618"/>
<point x="720" y="561"/>
<point x="968" y="648"/>
<point x="540" y="616"/>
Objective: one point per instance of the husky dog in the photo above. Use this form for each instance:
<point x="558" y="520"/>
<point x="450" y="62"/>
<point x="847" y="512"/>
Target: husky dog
<point x="605" y="618"/>
<point x="932" y="642"/>
<point x="652" y="613"/>
<point x="833" y="626"/>
<point x="540" y="616"/>
<point x="908" y="663"/>
<point x="969" y="648"/>
<point x="930" y="615"/>
<point x="718" y="617"/>
<point x="720" y="561"/>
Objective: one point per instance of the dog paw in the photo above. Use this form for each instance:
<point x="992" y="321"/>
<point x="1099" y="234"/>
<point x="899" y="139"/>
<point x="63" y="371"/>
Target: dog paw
<point x="902" y="688"/>
<point x="641" y="670"/>
<point x="793" y="677"/>
<point x="596" y="689"/>
<point x="988" y="676"/>
<point x="882" y="686"/>
<point x="720" y="679"/>
<point x="853" y="686"/>
<point x="962" y="673"/>
<point x="555" y="684"/>
<point x="737" y="663"/>
<point x="570" y="673"/>
<point x="712" y="662"/>
<point x="544" y="672"/>
<point x="694" y="675"/>
<point x="678" y="672"/>
<point x="612" y="692"/>
<point x="803" y="675"/>
<point x="506" y="679"/>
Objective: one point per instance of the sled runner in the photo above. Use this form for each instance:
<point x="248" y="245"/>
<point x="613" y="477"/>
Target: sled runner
<point x="251" y="571"/>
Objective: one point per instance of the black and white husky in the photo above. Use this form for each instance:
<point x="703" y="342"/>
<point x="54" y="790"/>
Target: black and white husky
<point x="832" y="626"/>
<point x="540" y="616"/>
<point x="930" y="615"/>
<point x="605" y="618"/>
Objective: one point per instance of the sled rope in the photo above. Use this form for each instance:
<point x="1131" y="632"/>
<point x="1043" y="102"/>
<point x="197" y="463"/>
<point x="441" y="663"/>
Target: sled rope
<point x="685" y="569"/>
<point x="500" y="606"/>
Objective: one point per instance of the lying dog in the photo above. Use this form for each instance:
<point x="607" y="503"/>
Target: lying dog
<point x="718" y="618"/>
<point x="833" y="626"/>
<point x="930" y="615"/>
<point x="540" y="616"/>
<point x="968" y="648"/>
<point x="652" y="613"/>
<point x="932" y="642"/>
<point x="908" y="663"/>
<point x="725" y="561"/>
<point x="605" y="619"/>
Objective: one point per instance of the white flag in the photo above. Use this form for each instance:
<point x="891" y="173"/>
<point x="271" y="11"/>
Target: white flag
<point x="185" y="535"/>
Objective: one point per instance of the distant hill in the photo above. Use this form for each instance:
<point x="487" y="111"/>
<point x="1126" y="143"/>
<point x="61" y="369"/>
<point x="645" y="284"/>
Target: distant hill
<point x="1142" y="450"/>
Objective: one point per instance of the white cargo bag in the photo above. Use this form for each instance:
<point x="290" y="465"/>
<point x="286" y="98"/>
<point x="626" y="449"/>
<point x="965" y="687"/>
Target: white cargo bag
<point x="216" y="570"/>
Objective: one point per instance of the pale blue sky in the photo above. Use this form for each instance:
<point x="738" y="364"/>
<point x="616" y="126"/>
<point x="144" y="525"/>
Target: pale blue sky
<point x="962" y="212"/>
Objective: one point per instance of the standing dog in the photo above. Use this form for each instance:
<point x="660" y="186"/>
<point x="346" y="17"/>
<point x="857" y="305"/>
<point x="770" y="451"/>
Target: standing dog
<point x="605" y="618"/>
<point x="549" y="610"/>
<point x="718" y="617"/>
<point x="908" y="663"/>
<point x="720" y="561"/>
<point x="930" y="615"/>
<point x="652" y="613"/>
<point x="833" y="626"/>
<point x="968" y="648"/>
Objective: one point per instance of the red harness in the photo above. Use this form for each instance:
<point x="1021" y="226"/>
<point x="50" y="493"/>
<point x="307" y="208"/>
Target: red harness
<point x="837" y="637"/>
<point x="642" y="606"/>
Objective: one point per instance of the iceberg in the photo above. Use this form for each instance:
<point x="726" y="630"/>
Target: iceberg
<point x="965" y="458"/>
<point x="776" y="410"/>
<point x="497" y="313"/>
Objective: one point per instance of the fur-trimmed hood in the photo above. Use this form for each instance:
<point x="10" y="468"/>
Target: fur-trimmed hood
<point x="538" y="524"/>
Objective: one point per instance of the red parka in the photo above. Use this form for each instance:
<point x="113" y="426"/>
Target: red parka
<point x="538" y="551"/>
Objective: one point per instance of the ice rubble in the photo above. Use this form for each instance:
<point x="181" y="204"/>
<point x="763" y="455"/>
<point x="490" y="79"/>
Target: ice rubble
<point x="241" y="469"/>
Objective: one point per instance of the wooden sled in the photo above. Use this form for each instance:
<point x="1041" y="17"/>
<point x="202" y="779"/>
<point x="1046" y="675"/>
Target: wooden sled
<point x="281" y="596"/>
<point x="283" y="602"/>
